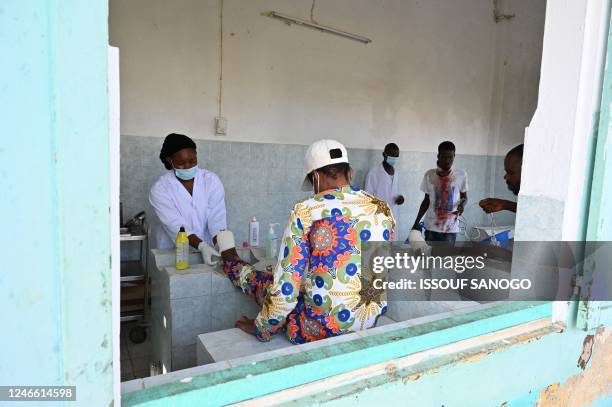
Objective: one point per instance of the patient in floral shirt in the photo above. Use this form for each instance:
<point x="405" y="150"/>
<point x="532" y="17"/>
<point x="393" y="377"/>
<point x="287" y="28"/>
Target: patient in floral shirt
<point x="317" y="289"/>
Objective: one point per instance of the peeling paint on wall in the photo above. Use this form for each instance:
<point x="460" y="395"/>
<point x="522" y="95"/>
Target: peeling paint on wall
<point x="596" y="380"/>
<point x="587" y="351"/>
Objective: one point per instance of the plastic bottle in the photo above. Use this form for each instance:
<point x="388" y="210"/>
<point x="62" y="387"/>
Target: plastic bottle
<point x="182" y="250"/>
<point x="272" y="242"/>
<point x="253" y="232"/>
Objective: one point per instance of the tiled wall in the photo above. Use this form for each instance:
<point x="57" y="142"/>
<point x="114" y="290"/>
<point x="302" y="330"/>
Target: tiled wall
<point x="264" y="180"/>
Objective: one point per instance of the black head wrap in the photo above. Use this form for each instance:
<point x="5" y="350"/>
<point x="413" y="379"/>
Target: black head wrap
<point x="174" y="142"/>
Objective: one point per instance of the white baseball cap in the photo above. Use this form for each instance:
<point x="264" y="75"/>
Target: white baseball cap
<point x="320" y="154"/>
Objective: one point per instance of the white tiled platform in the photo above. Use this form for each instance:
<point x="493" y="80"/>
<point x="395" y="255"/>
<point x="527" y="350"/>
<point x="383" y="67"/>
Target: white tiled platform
<point x="384" y="325"/>
<point x="186" y="303"/>
<point x="384" y="320"/>
<point x="234" y="343"/>
<point x="202" y="300"/>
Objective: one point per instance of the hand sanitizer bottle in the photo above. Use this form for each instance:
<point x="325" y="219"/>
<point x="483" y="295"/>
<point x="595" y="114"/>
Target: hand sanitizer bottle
<point x="272" y="242"/>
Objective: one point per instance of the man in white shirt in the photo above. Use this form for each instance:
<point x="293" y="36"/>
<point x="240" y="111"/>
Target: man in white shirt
<point x="187" y="196"/>
<point x="445" y="191"/>
<point x="383" y="181"/>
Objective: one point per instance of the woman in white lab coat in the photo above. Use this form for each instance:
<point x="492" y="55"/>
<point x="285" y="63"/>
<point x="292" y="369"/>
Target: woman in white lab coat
<point x="187" y="196"/>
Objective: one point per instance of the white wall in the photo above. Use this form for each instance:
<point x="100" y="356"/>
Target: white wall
<point x="518" y="52"/>
<point x="169" y="65"/>
<point x="436" y="69"/>
<point x="559" y="142"/>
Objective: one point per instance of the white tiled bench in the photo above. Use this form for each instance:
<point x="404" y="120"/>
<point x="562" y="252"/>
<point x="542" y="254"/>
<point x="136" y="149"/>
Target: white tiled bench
<point x="234" y="343"/>
<point x="384" y="320"/>
<point x="385" y="324"/>
<point x="185" y="303"/>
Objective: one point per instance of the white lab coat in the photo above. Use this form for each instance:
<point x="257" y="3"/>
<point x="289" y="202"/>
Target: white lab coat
<point x="202" y="214"/>
<point x="385" y="186"/>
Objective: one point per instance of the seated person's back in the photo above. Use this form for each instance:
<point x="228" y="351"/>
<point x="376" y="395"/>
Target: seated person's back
<point x="316" y="290"/>
<point x="323" y="242"/>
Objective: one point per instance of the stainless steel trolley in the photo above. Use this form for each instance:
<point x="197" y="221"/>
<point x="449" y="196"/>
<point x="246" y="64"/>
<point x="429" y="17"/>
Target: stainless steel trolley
<point x="135" y="283"/>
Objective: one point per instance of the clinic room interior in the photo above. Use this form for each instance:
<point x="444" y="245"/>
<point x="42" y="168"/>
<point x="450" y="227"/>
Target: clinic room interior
<point x="223" y="107"/>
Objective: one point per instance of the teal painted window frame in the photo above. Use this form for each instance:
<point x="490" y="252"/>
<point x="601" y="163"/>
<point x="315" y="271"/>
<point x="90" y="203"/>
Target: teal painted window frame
<point x="245" y="382"/>
<point x="593" y="314"/>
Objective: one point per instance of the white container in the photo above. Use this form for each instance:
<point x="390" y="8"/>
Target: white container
<point x="253" y="232"/>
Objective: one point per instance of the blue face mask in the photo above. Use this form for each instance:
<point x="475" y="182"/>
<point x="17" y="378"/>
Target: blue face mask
<point x="186" y="174"/>
<point x="392" y="160"/>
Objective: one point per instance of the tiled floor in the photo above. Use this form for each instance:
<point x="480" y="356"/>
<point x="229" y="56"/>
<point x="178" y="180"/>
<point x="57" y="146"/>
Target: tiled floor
<point x="134" y="357"/>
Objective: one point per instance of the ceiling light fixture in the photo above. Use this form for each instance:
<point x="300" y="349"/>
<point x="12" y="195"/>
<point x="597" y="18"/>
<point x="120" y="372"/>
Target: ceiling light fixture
<point x="298" y="21"/>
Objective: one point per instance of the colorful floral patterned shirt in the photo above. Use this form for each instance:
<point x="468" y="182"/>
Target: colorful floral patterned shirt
<point x="317" y="288"/>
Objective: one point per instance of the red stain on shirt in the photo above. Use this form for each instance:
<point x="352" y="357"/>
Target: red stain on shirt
<point x="442" y="215"/>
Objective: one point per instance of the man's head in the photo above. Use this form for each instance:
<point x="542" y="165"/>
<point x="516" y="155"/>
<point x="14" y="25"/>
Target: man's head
<point x="330" y="177"/>
<point x="391" y="154"/>
<point x="446" y="155"/>
<point x="327" y="166"/>
<point x="513" y="164"/>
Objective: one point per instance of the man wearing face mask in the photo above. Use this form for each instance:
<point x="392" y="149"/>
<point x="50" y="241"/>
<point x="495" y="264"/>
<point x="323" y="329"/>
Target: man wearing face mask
<point x="383" y="181"/>
<point x="445" y="191"/>
<point x="317" y="289"/>
<point x="188" y="196"/>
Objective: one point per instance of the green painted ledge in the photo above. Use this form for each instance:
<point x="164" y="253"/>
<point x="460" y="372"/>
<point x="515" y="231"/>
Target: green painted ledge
<point x="250" y="381"/>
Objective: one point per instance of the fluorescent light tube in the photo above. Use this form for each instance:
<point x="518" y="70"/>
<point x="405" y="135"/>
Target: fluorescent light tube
<point x="293" y="20"/>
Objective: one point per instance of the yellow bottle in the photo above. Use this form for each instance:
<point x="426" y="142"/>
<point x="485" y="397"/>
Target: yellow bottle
<point x="182" y="250"/>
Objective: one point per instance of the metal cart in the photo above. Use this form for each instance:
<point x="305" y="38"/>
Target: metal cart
<point x="135" y="284"/>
